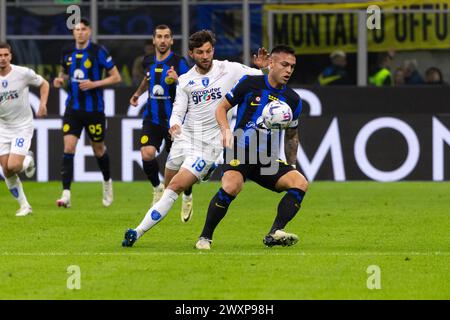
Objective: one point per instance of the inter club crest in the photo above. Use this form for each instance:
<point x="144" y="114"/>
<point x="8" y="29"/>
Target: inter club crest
<point x="205" y="82"/>
<point x="4" y="83"/>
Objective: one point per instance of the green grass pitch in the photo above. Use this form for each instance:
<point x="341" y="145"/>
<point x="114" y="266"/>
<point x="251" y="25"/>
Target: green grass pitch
<point x="403" y="228"/>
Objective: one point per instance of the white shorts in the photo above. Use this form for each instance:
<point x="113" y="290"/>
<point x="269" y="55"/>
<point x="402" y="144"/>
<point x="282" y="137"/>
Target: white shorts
<point x="199" y="162"/>
<point x="16" y="141"/>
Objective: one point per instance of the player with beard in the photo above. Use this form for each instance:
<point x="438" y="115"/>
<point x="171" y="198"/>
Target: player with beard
<point x="161" y="76"/>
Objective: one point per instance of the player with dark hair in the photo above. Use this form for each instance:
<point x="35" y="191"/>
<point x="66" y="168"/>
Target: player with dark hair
<point x="196" y="145"/>
<point x="82" y="66"/>
<point x="251" y="94"/>
<point x="162" y="71"/>
<point x="16" y="123"/>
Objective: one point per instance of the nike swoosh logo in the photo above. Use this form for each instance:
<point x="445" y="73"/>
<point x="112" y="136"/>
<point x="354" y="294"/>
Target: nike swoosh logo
<point x="255" y="104"/>
<point x="218" y="205"/>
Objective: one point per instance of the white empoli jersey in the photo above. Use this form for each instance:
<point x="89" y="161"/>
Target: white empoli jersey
<point x="198" y="96"/>
<point x="15" y="110"/>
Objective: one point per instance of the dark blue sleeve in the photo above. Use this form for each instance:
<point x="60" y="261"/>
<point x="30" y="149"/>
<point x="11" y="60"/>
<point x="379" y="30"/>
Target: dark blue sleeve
<point x="298" y="109"/>
<point x="238" y="92"/>
<point x="105" y="58"/>
<point x="183" y="67"/>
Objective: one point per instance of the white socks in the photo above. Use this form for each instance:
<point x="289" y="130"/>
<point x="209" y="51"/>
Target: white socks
<point x="26" y="163"/>
<point x="15" y="187"/>
<point x="157" y="212"/>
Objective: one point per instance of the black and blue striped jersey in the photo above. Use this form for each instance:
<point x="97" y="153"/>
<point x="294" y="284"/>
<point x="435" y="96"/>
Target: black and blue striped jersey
<point x="85" y="64"/>
<point x="251" y="94"/>
<point x="161" y="90"/>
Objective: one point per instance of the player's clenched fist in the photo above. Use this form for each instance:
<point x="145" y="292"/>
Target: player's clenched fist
<point x="175" y="130"/>
<point x="58" y="82"/>
<point x="134" y="100"/>
<point x="172" y="75"/>
<point x="227" y="138"/>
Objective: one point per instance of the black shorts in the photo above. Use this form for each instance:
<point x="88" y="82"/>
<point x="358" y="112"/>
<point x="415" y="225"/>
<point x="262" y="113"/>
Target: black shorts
<point x="93" y="122"/>
<point x="259" y="173"/>
<point x="153" y="134"/>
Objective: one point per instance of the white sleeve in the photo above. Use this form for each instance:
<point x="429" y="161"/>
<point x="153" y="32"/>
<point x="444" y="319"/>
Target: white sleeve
<point x="32" y="78"/>
<point x="180" y="106"/>
<point x="243" y="70"/>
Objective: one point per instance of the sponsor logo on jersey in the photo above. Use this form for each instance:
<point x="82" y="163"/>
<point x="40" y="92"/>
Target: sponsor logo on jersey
<point x="79" y="55"/>
<point x="206" y="95"/>
<point x="78" y="75"/>
<point x="256" y="102"/>
<point x="158" y="92"/>
<point x="9" y="95"/>
<point x="205" y="82"/>
<point x="4" y="83"/>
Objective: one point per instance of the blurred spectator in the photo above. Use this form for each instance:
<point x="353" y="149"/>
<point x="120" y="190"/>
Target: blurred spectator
<point x="137" y="72"/>
<point x="399" y="77"/>
<point x="335" y="74"/>
<point x="382" y="75"/>
<point x="412" y="75"/>
<point x="434" y="76"/>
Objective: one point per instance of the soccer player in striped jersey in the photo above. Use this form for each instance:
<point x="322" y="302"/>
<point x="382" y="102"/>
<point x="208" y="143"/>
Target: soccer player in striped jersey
<point x="248" y="157"/>
<point x="161" y="77"/>
<point x="82" y="66"/>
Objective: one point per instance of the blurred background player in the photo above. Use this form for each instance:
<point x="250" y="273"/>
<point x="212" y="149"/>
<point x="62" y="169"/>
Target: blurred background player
<point x="137" y="71"/>
<point x="251" y="94"/>
<point x="16" y="123"/>
<point x="196" y="145"/>
<point x="162" y="71"/>
<point x="82" y="66"/>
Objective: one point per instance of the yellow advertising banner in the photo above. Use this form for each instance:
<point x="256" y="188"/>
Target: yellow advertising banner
<point x="320" y="28"/>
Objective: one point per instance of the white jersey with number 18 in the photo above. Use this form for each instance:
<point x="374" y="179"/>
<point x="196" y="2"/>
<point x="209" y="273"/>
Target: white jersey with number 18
<point x="15" y="110"/>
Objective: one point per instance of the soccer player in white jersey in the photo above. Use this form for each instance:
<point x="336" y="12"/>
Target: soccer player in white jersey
<point x="16" y="123"/>
<point x="197" y="138"/>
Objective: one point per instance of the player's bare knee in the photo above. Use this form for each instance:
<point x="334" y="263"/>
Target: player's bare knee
<point x="232" y="185"/>
<point x="300" y="182"/>
<point x="69" y="149"/>
<point x="99" y="150"/>
<point x="148" y="155"/>
<point x="176" y="187"/>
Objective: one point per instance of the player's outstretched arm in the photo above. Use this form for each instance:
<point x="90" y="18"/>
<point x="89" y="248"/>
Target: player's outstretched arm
<point x="140" y="90"/>
<point x="180" y="107"/>
<point x="58" y="82"/>
<point x="222" y="120"/>
<point x="113" y="78"/>
<point x="291" y="145"/>
<point x="43" y="94"/>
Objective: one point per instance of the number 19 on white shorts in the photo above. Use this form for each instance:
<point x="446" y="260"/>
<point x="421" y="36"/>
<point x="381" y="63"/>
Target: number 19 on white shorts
<point x="198" y="166"/>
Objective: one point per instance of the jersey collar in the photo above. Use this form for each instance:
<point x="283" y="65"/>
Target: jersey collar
<point x="88" y="46"/>
<point x="266" y="80"/>
<point x="165" y="60"/>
